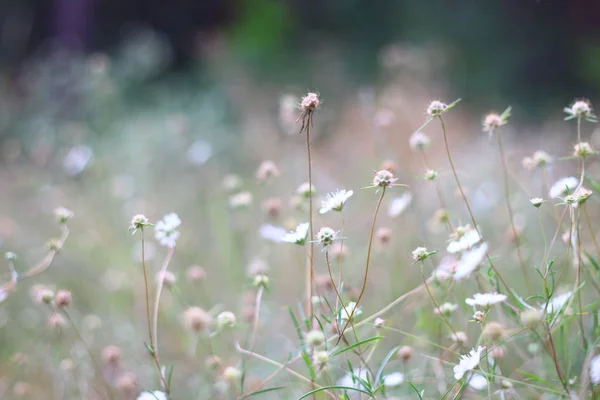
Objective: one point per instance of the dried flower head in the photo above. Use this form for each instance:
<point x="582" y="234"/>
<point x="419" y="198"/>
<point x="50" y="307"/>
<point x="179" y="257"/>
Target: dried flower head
<point x="420" y="254"/>
<point x="494" y="331"/>
<point x="378" y="323"/>
<point x="139" y="221"/>
<point x="405" y="353"/>
<point x="531" y="317"/>
<point x="267" y="171"/>
<point x="541" y="159"/>
<point x="479" y="316"/>
<point x="419" y="141"/>
<point x="383" y="235"/>
<point x="62" y="298"/>
<point x="272" y="207"/>
<point x="492" y="121"/>
<point x="195" y="273"/>
<point x="111" y="355"/>
<point x="384" y="178"/>
<point x="196" y="319"/>
<point x="436" y="108"/>
<point x="63" y="214"/>
<point x="315" y="338"/>
<point x="320" y="359"/>
<point x="310" y="102"/>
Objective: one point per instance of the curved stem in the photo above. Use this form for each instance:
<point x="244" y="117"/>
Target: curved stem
<point x="368" y="262"/>
<point x="510" y="212"/>
<point x="464" y="197"/>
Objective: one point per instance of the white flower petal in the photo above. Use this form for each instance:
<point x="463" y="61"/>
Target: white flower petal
<point x="469" y="261"/>
<point x="399" y="204"/>
<point x="393" y="379"/>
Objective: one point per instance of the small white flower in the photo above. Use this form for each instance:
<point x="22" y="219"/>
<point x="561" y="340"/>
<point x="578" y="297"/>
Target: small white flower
<point x="350" y="380"/>
<point x="563" y="186"/>
<point x="384" y="178"/>
<point x="540" y="159"/>
<point x="394" y="379"/>
<point x="536" y="202"/>
<point x="436" y="108"/>
<point x="446" y="308"/>
<point x="272" y="233"/>
<point x="335" y="201"/>
<point x="315" y="338"/>
<point x="165" y="230"/>
<point x="583" y="150"/>
<point x="298" y="236"/>
<point x="477" y="382"/>
<point x="77" y="159"/>
<point x="469" y="261"/>
<point x="63" y="214"/>
<point x="326" y="236"/>
<point x="485" y="299"/>
<point x="156" y="395"/>
<point x="464" y="238"/>
<point x="320" y="359"/>
<point x="468" y="362"/>
<point x="306" y="189"/>
<point x="419" y="141"/>
<point x="420" y="254"/>
<point x="226" y="319"/>
<point x="557" y="303"/>
<point x="310" y="102"/>
<point x="580" y="108"/>
<point x="346" y="311"/>
<point x="595" y="370"/>
<point x="399" y="204"/>
<point x="430" y="174"/>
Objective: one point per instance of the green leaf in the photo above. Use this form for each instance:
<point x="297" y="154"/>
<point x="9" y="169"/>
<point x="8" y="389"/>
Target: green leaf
<point x="263" y="391"/>
<point x="305" y="395"/>
<point x="595" y="185"/>
<point x="374" y="338"/>
<point x="384" y="363"/>
<point x="149" y="348"/>
<point x="420" y="394"/>
<point x="537" y="379"/>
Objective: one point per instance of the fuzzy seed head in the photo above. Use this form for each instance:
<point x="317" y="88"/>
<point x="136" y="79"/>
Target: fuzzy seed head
<point x="10" y="256"/>
<point x="56" y="321"/>
<point x="436" y="108"/>
<point x="541" y="159"/>
<point x="479" y="316"/>
<point x="492" y="121"/>
<point x="232" y="374"/>
<point x="383" y="178"/>
<point x="272" y="207"/>
<point x="459" y="337"/>
<point x="63" y="298"/>
<point x="167" y="277"/>
<point x="383" y="235"/>
<point x="580" y="108"/>
<point x="418" y="142"/>
<point x="195" y="273"/>
<point x="378" y="323"/>
<point x="315" y="338"/>
<point x="127" y="385"/>
<point x="306" y="190"/>
<point x="111" y="355"/>
<point x="405" y="353"/>
<point x="310" y="102"/>
<point x="494" y="331"/>
<point x="267" y="171"/>
<point x="226" y="319"/>
<point x="320" y="359"/>
<point x="531" y="317"/>
<point x="196" y="319"/>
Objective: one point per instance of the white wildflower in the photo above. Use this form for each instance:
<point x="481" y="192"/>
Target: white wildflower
<point x="580" y="108"/>
<point x="394" y="379"/>
<point x="240" y="200"/>
<point x="469" y="261"/>
<point x="557" y="303"/>
<point x="464" y="238"/>
<point x="272" y="233"/>
<point x="399" y="204"/>
<point x="77" y="159"/>
<point x="485" y="299"/>
<point x="446" y="308"/>
<point x="541" y="159"/>
<point x="156" y="395"/>
<point x="310" y="102"/>
<point x="305" y="190"/>
<point x="536" y="202"/>
<point x="335" y="201"/>
<point x="563" y="186"/>
<point x="595" y="370"/>
<point x="165" y="230"/>
<point x="63" y="214"/>
<point x="477" y="382"/>
<point x="384" y="178"/>
<point x="420" y="254"/>
<point x="298" y="236"/>
<point x="347" y="310"/>
<point x="350" y="380"/>
<point x="436" y="108"/>
<point x="468" y="362"/>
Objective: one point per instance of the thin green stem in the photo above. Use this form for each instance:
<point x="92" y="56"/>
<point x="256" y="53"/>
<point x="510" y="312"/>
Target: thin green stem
<point x="309" y="268"/>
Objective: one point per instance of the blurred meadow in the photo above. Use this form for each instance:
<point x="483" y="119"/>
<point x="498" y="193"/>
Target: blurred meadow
<point x="112" y="111"/>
